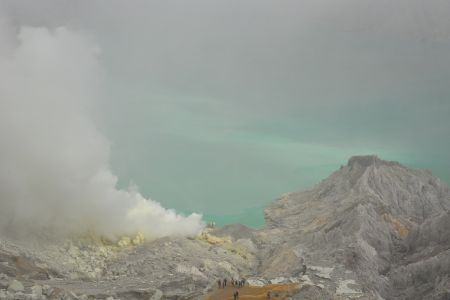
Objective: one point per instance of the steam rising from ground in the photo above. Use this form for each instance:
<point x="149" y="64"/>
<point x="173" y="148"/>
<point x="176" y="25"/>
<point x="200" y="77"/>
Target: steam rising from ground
<point x="54" y="162"/>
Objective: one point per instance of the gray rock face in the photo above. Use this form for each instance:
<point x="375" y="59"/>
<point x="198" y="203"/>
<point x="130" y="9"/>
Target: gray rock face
<point x="235" y="231"/>
<point x="378" y="223"/>
<point x="372" y="230"/>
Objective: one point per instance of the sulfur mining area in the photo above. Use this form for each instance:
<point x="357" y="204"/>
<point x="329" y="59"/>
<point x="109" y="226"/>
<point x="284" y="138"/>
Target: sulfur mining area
<point x="373" y="229"/>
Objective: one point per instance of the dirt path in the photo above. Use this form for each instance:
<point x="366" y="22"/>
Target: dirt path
<point x="279" y="291"/>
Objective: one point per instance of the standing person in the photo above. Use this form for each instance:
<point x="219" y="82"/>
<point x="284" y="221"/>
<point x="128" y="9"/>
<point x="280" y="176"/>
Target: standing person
<point x="303" y="270"/>
<point x="219" y="283"/>
<point x="232" y="281"/>
<point x="225" y="282"/>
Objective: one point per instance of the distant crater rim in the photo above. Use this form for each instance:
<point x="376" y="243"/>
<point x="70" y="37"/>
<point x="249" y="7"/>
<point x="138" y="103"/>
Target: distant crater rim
<point x="368" y="160"/>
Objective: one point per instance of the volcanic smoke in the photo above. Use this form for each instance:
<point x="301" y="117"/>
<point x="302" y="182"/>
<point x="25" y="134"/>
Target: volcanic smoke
<point x="55" y="170"/>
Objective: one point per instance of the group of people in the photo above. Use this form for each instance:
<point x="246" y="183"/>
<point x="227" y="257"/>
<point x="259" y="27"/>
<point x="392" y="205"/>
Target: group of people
<point x="222" y="283"/>
<point x="237" y="283"/>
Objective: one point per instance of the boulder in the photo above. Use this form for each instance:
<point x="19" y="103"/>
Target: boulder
<point x="36" y="291"/>
<point x="20" y="296"/>
<point x="4" y="283"/>
<point x="3" y="294"/>
<point x="47" y="290"/>
<point x="15" y="286"/>
<point x="157" y="295"/>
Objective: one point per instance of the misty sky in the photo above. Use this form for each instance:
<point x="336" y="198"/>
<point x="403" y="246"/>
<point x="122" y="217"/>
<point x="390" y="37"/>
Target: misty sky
<point x="221" y="106"/>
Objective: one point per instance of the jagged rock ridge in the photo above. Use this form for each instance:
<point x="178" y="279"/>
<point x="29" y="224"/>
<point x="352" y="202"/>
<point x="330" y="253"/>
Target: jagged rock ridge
<point x="380" y="224"/>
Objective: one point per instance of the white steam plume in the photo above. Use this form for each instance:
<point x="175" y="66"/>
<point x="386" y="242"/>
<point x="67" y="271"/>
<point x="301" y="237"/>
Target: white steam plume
<point x="54" y="162"/>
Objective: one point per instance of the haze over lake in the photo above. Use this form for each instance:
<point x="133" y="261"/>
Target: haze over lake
<point x="220" y="107"/>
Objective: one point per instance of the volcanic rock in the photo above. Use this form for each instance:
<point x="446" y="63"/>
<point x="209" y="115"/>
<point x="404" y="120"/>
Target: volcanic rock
<point x="374" y="224"/>
<point x="36" y="290"/>
<point x="373" y="229"/>
<point x="15" y="286"/>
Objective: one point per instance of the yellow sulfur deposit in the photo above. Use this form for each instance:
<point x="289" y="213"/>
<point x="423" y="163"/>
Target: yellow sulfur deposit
<point x="224" y="242"/>
<point x="400" y="229"/>
<point x="90" y="238"/>
<point x="127" y="241"/>
<point x="212" y="239"/>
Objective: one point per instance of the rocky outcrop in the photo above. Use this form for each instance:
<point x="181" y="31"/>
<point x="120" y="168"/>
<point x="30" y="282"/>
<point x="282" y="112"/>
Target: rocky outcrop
<point x="376" y="224"/>
<point x="373" y="229"/>
<point x="166" y="268"/>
